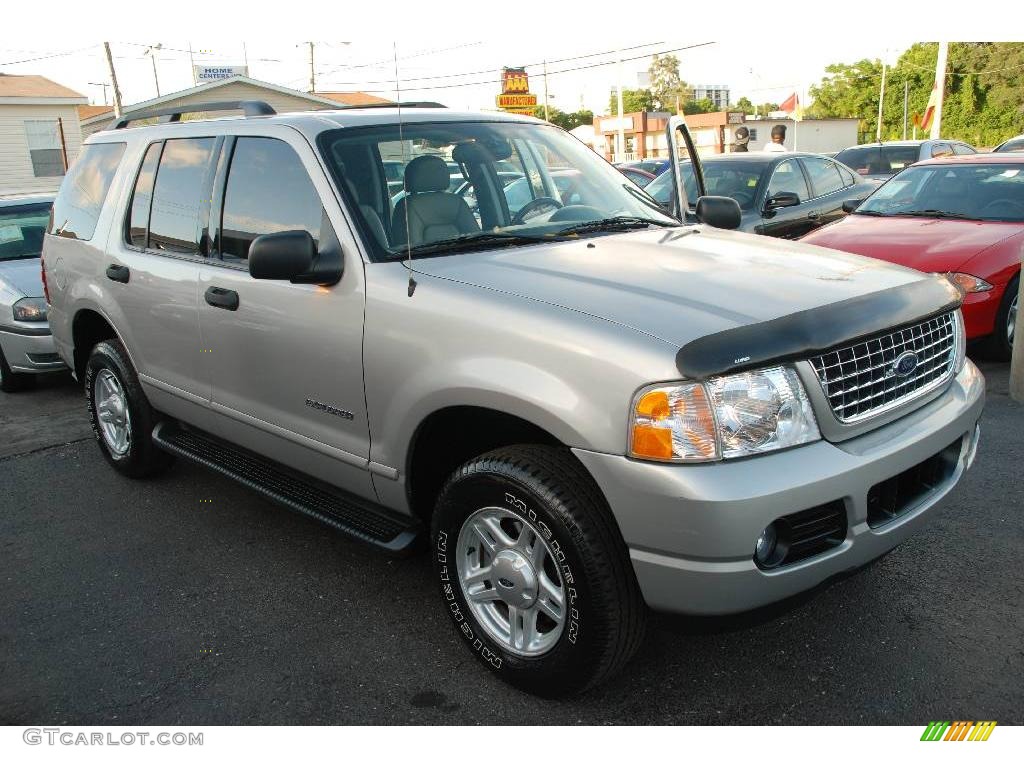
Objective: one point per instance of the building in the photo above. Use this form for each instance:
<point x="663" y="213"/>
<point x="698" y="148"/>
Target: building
<point x="39" y="133"/>
<point x="718" y="94"/>
<point x="239" y="88"/>
<point x="644" y="133"/>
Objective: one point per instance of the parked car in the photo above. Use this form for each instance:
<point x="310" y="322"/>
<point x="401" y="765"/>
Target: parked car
<point x="1016" y="144"/>
<point x="26" y="346"/>
<point x="780" y="194"/>
<point x="655" y="165"/>
<point x="588" y="412"/>
<point x="639" y="177"/>
<point x="879" y="161"/>
<point x="959" y="216"/>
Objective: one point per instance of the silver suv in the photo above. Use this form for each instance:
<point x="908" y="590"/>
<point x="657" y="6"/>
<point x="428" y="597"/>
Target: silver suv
<point x="586" y="409"/>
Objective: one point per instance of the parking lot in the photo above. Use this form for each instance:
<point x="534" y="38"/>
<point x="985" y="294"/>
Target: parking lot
<point x="188" y="599"/>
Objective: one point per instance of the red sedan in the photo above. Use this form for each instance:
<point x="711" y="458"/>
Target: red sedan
<point x="962" y="216"/>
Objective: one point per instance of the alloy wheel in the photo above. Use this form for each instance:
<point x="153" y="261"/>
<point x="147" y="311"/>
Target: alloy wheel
<point x="112" y="413"/>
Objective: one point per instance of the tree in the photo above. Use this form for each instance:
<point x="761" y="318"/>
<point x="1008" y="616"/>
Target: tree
<point x="633" y="100"/>
<point x="566" y="120"/>
<point x="744" y="105"/>
<point x="699" y="107"/>
<point x="669" y="90"/>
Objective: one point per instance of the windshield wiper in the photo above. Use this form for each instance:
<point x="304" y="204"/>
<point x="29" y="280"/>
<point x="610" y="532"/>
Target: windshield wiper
<point x="870" y="213"/>
<point x="935" y="214"/>
<point x="472" y="241"/>
<point x="613" y="224"/>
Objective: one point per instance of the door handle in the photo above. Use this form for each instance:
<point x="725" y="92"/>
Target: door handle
<point x="118" y="273"/>
<point x="221" y="297"/>
<point x="814" y="215"/>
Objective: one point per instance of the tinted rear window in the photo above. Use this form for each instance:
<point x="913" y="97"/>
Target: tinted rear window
<point x="178" y="193"/>
<point x="80" y="200"/>
<point x="878" y="161"/>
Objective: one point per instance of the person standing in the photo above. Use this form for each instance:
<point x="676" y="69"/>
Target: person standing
<point x="741" y="138"/>
<point x="777" y="144"/>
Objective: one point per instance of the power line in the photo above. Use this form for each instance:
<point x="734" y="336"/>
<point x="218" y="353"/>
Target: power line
<point x="47" y="56"/>
<point x="569" y="69"/>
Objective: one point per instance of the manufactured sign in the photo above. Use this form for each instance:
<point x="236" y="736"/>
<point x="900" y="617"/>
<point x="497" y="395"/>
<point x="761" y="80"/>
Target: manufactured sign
<point x="515" y="93"/>
<point x="204" y="74"/>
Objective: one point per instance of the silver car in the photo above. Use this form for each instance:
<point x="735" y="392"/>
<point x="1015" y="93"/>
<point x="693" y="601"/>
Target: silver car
<point x="26" y="346"/>
<point x="585" y="407"/>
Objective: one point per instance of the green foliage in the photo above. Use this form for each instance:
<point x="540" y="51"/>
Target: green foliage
<point x="633" y="100"/>
<point x="667" y="87"/>
<point x="744" y="105"/>
<point x="566" y="120"/>
<point x="699" y="107"/>
<point x="984" y="101"/>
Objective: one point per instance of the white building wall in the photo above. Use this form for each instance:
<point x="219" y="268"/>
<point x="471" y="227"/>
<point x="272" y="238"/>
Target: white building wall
<point x="825" y="136"/>
<point x="16" y="176"/>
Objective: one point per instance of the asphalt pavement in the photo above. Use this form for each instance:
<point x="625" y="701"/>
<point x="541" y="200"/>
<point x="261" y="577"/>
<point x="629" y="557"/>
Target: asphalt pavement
<point x="190" y="600"/>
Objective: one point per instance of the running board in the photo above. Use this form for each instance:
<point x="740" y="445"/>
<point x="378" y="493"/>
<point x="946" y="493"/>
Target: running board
<point x="368" y="522"/>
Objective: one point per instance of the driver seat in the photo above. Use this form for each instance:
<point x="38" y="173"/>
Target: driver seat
<point x="429" y="212"/>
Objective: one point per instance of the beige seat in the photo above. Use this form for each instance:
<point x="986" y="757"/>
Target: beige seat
<point x="428" y="212"/>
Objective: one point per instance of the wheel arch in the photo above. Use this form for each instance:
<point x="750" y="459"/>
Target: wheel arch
<point x="88" y="328"/>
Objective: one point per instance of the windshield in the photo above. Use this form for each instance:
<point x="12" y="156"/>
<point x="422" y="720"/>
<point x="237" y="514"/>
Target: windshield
<point x="426" y="186"/>
<point x="737" y="179"/>
<point x="879" y="160"/>
<point x="21" y="230"/>
<point x="984" y="192"/>
<point x="1013" y="145"/>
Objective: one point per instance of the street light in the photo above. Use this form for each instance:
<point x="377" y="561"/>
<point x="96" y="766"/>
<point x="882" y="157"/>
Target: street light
<point x="151" y="52"/>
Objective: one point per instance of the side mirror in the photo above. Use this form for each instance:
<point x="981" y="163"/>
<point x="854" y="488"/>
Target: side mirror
<point x="720" y="212"/>
<point x="782" y="200"/>
<point x="849" y="206"/>
<point x="292" y="255"/>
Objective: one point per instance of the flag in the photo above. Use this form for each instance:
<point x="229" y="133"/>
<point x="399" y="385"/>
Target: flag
<point x="792" y="107"/>
<point x="924" y="121"/>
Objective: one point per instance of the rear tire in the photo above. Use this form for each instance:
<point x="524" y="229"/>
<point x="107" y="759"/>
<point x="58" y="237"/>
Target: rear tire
<point x="122" y="418"/>
<point x="1000" y="343"/>
<point x="523" y="498"/>
<point x="11" y="381"/>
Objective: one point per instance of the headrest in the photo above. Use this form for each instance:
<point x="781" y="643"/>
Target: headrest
<point x="426" y="173"/>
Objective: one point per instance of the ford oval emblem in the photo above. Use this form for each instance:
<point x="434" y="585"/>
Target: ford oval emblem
<point x="905" y="364"/>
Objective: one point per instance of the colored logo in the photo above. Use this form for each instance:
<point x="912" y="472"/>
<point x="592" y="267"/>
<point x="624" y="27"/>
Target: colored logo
<point x="960" y="730"/>
<point x="905" y="364"/>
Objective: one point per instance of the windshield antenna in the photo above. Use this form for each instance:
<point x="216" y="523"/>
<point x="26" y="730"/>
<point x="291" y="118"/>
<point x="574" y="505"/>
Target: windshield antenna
<point x="405" y="164"/>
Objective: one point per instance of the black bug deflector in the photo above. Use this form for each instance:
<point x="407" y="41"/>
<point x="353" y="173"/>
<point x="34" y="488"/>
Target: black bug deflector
<point x="812" y="331"/>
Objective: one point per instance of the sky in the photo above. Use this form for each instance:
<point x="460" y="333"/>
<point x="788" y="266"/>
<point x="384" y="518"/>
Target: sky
<point x="356" y="50"/>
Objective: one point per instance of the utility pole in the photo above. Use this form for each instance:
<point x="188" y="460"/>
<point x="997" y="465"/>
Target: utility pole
<point x="906" y="97"/>
<point x="245" y="58"/>
<point x="312" y="71"/>
<point x="546" y="90"/>
<point x="192" y="63"/>
<point x="104" y="86"/>
<point x="881" y="98"/>
<point x="940" y="85"/>
<point x="621" y="149"/>
<point x="1017" y="361"/>
<point x="113" y="79"/>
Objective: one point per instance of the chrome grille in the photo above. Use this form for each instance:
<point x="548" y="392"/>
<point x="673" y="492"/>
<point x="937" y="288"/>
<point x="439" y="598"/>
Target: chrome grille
<point x="860" y="380"/>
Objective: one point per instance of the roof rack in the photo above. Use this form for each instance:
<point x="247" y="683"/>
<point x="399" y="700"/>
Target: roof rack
<point x="250" y="108"/>
<point x="393" y="105"/>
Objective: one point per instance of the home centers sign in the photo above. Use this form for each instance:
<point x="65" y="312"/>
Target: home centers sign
<point x="515" y="93"/>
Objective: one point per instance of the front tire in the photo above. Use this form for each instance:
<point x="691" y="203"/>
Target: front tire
<point x="122" y="418"/>
<point x="534" y="572"/>
<point x="1000" y="343"/>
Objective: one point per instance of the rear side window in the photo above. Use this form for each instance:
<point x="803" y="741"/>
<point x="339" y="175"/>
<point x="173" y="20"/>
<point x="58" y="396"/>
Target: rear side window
<point x="268" y="190"/>
<point x="178" y="193"/>
<point x="824" y="175"/>
<point x="788" y="178"/>
<point x="963" y="149"/>
<point x="80" y="200"/>
<point x="142" y="197"/>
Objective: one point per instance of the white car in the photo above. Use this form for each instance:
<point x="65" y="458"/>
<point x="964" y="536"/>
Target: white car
<point x="26" y="346"/>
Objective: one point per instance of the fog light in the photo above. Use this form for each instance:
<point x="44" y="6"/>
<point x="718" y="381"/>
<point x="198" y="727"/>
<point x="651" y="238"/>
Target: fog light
<point x="764" y="550"/>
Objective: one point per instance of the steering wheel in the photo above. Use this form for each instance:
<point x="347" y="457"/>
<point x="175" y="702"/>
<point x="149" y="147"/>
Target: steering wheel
<point x="1015" y="205"/>
<point x="537" y="207"/>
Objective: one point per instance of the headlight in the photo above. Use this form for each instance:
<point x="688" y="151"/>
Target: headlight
<point x="727" y="417"/>
<point x="30" y="309"/>
<point x="968" y="283"/>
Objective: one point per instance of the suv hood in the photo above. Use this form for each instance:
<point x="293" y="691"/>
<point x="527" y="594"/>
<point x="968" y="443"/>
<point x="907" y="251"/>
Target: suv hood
<point x="22" y="275"/>
<point x="930" y="245"/>
<point x="675" y="284"/>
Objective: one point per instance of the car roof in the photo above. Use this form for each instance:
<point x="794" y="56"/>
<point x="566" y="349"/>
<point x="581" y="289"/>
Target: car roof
<point x="312" y="122"/>
<point x="981" y="158"/>
<point x="12" y="201"/>
<point x="906" y="143"/>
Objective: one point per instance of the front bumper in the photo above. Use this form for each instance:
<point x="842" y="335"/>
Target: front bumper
<point x="30" y="351"/>
<point x="691" y="529"/>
